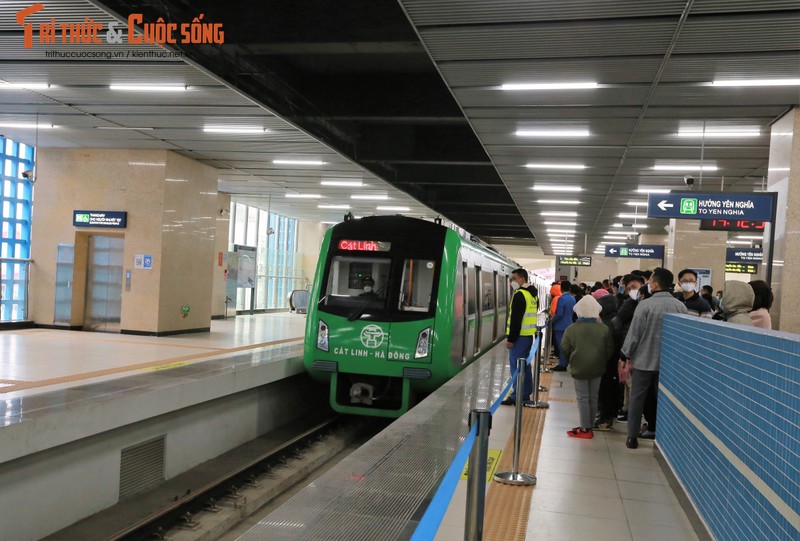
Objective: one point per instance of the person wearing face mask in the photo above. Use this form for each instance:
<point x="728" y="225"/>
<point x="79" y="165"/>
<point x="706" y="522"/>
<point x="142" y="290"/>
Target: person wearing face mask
<point x="562" y="320"/>
<point x="707" y="292"/>
<point x="368" y="285"/>
<point x="642" y="348"/>
<point x="520" y="329"/>
<point x="632" y="286"/>
<point x="695" y="304"/>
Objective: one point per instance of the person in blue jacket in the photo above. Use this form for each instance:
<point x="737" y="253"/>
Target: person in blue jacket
<point x="562" y="320"/>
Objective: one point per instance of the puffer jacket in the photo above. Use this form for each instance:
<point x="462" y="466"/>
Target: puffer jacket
<point x="737" y="301"/>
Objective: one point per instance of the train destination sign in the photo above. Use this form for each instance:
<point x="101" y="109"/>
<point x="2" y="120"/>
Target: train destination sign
<point x="575" y="260"/>
<point x="741" y="268"/>
<point x="99" y="218"/>
<point x="744" y="255"/>
<point x="364" y="245"/>
<point x="701" y="206"/>
<point x="643" y="251"/>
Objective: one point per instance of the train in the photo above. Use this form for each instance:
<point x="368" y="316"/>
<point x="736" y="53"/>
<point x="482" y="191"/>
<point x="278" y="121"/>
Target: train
<point x="398" y="306"/>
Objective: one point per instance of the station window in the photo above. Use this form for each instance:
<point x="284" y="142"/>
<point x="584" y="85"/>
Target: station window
<point x="275" y="239"/>
<point x="15" y="227"/>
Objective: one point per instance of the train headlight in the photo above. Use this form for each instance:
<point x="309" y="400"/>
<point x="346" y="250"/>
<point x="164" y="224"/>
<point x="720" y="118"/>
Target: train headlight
<point x="423" y="343"/>
<point x="322" y="336"/>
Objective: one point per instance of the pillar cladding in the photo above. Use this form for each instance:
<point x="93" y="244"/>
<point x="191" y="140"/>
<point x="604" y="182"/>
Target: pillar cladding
<point x="690" y="248"/>
<point x="784" y="176"/>
<point x="171" y="204"/>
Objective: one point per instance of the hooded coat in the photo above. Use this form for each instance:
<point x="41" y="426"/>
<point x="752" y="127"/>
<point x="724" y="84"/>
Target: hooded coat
<point x="737" y="301"/>
<point x="587" y="343"/>
<point x="555" y="293"/>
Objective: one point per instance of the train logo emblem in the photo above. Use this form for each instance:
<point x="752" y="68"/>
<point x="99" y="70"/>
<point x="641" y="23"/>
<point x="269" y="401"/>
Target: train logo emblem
<point x="372" y="336"/>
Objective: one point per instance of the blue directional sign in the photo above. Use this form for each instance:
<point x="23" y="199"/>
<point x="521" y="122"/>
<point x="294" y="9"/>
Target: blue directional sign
<point x="744" y="255"/>
<point x="643" y="251"/>
<point x="702" y="206"/>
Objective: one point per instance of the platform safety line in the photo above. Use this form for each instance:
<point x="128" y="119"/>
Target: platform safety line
<point x="33" y="384"/>
<point x="432" y="519"/>
<point x="508" y="506"/>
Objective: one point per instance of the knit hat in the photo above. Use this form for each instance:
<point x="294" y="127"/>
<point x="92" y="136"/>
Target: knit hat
<point x="588" y="307"/>
<point x="599" y="293"/>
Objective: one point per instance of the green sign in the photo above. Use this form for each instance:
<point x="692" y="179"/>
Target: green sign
<point x="575" y="260"/>
<point x="688" y="205"/>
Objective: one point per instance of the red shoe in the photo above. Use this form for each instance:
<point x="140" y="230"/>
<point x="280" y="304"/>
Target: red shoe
<point x="579" y="432"/>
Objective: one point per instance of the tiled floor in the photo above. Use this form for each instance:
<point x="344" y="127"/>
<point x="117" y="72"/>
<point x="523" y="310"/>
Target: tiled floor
<point x="37" y="357"/>
<point x="587" y="489"/>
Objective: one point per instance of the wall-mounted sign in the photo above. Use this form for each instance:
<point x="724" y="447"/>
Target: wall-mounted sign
<point x="731" y="225"/>
<point x="99" y="218"/>
<point x="744" y="255"/>
<point x="575" y="260"/>
<point x="643" y="251"/>
<point x="143" y="261"/>
<point x="741" y="268"/>
<point x="700" y="206"/>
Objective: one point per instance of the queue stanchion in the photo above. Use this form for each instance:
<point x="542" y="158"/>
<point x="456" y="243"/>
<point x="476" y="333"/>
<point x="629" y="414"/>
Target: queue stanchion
<point x="515" y="477"/>
<point x="476" y="475"/>
<point x="547" y="335"/>
<point x="535" y="402"/>
<point x="538" y="362"/>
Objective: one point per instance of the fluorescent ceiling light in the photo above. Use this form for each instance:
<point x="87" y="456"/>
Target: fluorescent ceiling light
<point x="233" y="129"/>
<point x="555" y="188"/>
<point x="552" y="133"/>
<point x="777" y="169"/>
<point x="401" y="209"/>
<point x="630" y="215"/>
<point x="303" y="196"/>
<point x="554" y="166"/>
<point x="685" y="168"/>
<point x="635" y="226"/>
<point x="122" y="128"/>
<point x="24" y="86"/>
<point x="353" y="183"/>
<point x="652" y="190"/>
<point x="618" y="237"/>
<point x="376" y="197"/>
<point x="27" y="125"/>
<point x="150" y="164"/>
<point x="558" y="213"/>
<point x="333" y="206"/>
<point x="150" y="88"/>
<point x="637" y="203"/>
<point x="557" y="202"/>
<point x="751" y="132"/>
<point x="548" y="86"/>
<point x="562" y="223"/>
<point x="743" y="242"/>
<point x="753" y="237"/>
<point x="757" y="82"/>
<point x="298" y="162"/>
<point x="567" y="231"/>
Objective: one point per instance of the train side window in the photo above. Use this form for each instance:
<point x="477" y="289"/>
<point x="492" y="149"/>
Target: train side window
<point x="502" y="282"/>
<point x="417" y="285"/>
<point x="472" y="291"/>
<point x="487" y="303"/>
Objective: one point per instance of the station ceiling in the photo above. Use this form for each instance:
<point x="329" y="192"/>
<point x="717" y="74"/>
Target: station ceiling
<point x="409" y="97"/>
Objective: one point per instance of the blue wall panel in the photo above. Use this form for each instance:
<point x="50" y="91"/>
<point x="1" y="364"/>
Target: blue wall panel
<point x="729" y="425"/>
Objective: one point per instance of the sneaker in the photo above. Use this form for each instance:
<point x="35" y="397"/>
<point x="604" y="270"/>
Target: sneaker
<point x="559" y="369"/>
<point x="631" y="443"/>
<point x="578" y="432"/>
<point x="510" y="401"/>
<point x="603" y="425"/>
<point x="647" y="435"/>
<point x="623" y="417"/>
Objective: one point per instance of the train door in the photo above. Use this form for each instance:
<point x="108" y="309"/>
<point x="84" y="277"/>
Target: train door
<point x="459" y="314"/>
<point x="500" y="317"/>
<point x="487" y="329"/>
<point x="472" y="313"/>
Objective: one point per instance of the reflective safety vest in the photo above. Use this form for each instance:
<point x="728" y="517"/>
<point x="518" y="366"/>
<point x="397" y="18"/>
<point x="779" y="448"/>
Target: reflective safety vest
<point x="529" y="319"/>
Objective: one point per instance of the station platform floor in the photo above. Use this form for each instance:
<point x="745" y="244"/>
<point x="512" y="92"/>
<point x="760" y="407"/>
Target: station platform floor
<point x="33" y="361"/>
<point x="586" y="489"/>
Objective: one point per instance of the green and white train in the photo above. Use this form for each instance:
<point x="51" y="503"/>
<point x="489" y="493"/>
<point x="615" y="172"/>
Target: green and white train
<point x="438" y="302"/>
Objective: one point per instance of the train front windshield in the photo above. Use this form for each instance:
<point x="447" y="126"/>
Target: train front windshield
<point x="379" y="287"/>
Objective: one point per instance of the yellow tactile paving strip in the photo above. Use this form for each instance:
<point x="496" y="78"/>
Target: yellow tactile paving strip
<point x="507" y="506"/>
<point x="24" y="385"/>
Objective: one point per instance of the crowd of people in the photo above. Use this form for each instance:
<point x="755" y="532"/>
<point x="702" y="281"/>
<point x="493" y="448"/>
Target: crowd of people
<point x="608" y="337"/>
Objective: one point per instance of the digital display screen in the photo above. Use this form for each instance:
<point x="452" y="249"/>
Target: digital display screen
<point x="731" y="225"/>
<point x="364" y="245"/>
<point x="741" y="268"/>
<point x="575" y="261"/>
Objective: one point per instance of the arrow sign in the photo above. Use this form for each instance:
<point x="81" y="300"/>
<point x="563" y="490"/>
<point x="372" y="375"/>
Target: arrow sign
<point x="663" y="205"/>
<point x="720" y="205"/>
<point x="641" y="251"/>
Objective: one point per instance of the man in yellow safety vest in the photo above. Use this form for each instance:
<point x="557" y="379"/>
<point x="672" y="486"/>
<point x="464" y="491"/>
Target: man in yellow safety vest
<point x="520" y="330"/>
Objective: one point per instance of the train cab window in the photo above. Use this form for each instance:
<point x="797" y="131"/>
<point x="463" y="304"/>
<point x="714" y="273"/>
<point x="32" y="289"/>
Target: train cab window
<point x="417" y="285"/>
<point x="356" y="279"/>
